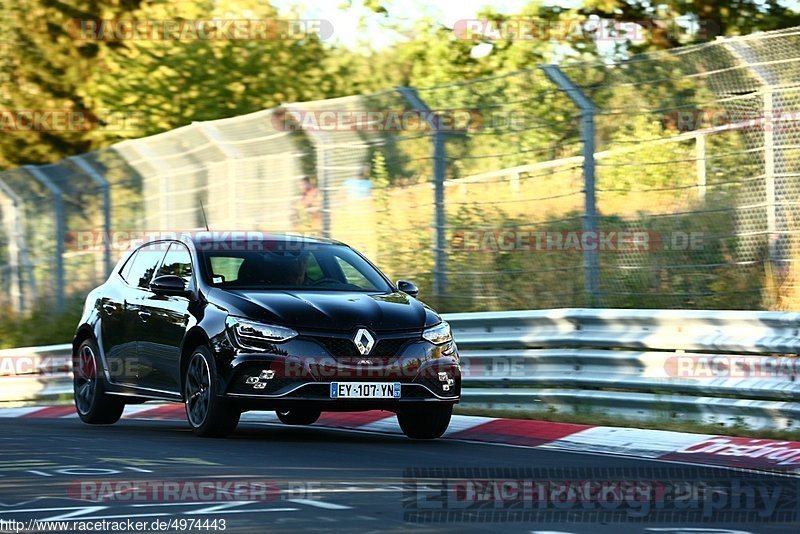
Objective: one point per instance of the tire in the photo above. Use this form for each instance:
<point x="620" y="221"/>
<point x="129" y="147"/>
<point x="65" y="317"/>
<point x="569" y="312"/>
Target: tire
<point x="93" y="404"/>
<point x="208" y="414"/>
<point x="427" y="422"/>
<point x="298" y="416"/>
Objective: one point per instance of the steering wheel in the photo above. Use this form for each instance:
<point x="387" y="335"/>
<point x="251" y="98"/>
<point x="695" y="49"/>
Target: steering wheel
<point x="324" y="280"/>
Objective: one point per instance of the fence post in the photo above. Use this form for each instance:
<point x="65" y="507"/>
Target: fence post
<point x="232" y="154"/>
<point x="100" y="180"/>
<point x="439" y="170"/>
<point x="700" y="163"/>
<point x="768" y="81"/>
<point x="11" y="207"/>
<point x="591" y="257"/>
<point x="323" y="183"/>
<point x="60" y="230"/>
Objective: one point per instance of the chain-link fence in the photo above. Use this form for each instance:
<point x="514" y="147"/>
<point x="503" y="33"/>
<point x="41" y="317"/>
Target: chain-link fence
<point x="477" y="191"/>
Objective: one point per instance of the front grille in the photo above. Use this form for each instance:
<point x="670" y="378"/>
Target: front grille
<point x="342" y="347"/>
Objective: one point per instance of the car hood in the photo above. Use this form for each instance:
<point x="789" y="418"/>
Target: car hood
<point x="330" y="310"/>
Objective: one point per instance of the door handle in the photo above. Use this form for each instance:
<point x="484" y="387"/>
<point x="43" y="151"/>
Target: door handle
<point x="143" y="315"/>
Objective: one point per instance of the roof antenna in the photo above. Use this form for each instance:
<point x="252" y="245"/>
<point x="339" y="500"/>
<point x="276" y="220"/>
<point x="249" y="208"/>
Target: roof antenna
<point x="203" y="211"/>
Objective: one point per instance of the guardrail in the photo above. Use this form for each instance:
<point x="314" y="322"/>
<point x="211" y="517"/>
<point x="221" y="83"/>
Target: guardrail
<point x="732" y="368"/>
<point x="720" y="367"/>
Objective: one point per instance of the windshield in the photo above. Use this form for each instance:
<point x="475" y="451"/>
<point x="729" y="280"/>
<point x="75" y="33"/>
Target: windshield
<point x="290" y="265"/>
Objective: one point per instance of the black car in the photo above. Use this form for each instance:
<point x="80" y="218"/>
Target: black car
<point x="284" y="323"/>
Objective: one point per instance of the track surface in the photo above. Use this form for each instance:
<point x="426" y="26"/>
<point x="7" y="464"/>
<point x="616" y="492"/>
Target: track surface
<point x="353" y="480"/>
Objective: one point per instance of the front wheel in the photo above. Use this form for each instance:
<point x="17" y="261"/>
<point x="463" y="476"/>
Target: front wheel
<point x="426" y="422"/>
<point x="208" y="414"/>
<point x="93" y="404"/>
<point x="298" y="417"/>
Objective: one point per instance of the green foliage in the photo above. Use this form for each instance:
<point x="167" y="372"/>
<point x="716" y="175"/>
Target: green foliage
<point x="43" y="326"/>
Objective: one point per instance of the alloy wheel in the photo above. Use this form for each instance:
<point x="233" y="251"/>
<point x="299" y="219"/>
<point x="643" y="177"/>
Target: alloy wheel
<point x="198" y="390"/>
<point x="85" y="379"/>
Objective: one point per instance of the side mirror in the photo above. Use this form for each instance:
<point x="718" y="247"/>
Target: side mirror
<point x="408" y="288"/>
<point x="169" y="284"/>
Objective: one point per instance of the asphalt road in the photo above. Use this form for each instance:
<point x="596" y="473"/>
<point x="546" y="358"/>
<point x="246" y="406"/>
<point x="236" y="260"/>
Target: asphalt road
<point x="318" y="479"/>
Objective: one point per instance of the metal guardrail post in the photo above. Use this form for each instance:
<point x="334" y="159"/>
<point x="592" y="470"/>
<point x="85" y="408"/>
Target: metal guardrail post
<point x="100" y="180"/>
<point x="439" y="171"/>
<point x="591" y="258"/>
<point x="60" y="229"/>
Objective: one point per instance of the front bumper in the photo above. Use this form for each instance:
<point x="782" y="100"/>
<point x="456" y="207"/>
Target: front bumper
<point x="300" y="371"/>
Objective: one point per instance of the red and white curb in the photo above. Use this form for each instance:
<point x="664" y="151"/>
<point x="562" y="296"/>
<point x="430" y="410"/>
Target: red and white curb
<point x="707" y="449"/>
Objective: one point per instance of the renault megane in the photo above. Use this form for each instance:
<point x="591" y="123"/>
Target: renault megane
<point x="296" y="325"/>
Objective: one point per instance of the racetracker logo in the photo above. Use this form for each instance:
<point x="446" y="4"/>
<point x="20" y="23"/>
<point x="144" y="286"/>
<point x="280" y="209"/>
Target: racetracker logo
<point x="564" y="29"/>
<point x="572" y="241"/>
<point x="200" y="30"/>
<point x="709" y="366"/>
<point x="377" y="120"/>
<point x="206" y="240"/>
<point x="61" y="120"/>
<point x="213" y="490"/>
<point x="743" y="120"/>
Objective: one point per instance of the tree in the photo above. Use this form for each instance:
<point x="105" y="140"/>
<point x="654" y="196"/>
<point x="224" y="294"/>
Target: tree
<point x="706" y="19"/>
<point x="45" y="68"/>
<point x="166" y="84"/>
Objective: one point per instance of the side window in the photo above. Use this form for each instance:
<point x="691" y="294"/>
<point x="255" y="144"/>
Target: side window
<point x="144" y="265"/>
<point x="126" y="269"/>
<point x="178" y="261"/>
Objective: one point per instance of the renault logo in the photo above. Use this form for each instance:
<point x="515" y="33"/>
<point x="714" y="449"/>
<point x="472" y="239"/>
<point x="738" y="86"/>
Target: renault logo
<point x="364" y="341"/>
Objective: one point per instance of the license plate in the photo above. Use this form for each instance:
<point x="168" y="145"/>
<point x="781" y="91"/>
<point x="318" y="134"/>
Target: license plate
<point x="365" y="390"/>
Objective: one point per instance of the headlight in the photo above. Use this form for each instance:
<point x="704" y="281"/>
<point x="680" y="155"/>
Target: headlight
<point x="250" y="334"/>
<point x="438" y="334"/>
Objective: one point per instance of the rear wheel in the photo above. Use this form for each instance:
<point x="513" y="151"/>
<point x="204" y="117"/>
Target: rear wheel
<point x="427" y="422"/>
<point x="93" y="404"/>
<point x="208" y="414"/>
<point x="298" y="417"/>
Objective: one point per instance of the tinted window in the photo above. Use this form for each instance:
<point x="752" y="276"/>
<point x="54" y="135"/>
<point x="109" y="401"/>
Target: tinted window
<point x="144" y="265"/>
<point x="178" y="261"/>
<point x="276" y="265"/>
<point x="126" y="269"/>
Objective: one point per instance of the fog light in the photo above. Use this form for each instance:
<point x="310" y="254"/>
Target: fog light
<point x="252" y="379"/>
<point x="267" y="375"/>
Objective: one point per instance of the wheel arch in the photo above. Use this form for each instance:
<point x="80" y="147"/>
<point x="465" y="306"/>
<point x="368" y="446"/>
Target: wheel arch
<point x="84" y="332"/>
<point x="194" y="338"/>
